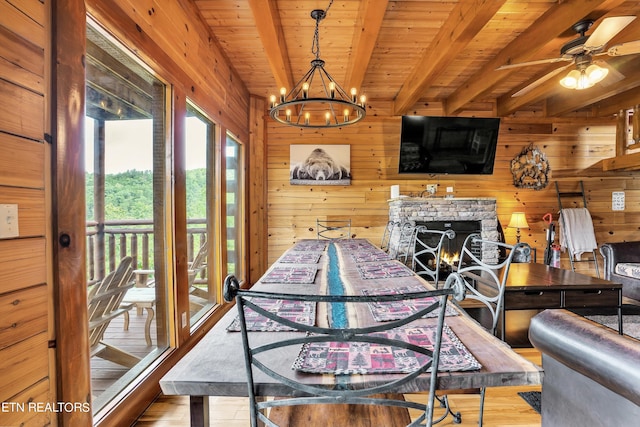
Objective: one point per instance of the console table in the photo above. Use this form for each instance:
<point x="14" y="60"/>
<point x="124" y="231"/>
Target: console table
<point x="533" y="287"/>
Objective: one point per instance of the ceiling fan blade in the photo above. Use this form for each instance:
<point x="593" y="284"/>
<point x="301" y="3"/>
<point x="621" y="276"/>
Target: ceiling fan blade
<point x="606" y="31"/>
<point x="537" y="62"/>
<point x="628" y="48"/>
<point x="538" y="82"/>
<point x="614" y="76"/>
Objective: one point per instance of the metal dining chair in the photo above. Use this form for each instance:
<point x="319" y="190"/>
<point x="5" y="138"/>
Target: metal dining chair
<point x="400" y="248"/>
<point x="265" y="357"/>
<point x="485" y="282"/>
<point x="386" y="235"/>
<point x="427" y="252"/>
<point x="333" y="229"/>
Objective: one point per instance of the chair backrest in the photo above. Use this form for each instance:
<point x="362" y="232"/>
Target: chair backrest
<point x="105" y="297"/>
<point x="392" y="241"/>
<point x="401" y="248"/>
<point x="266" y="356"/>
<point x="427" y="251"/>
<point x="386" y="235"/>
<point x="199" y="262"/>
<point x="485" y="282"/>
<point x="333" y="229"/>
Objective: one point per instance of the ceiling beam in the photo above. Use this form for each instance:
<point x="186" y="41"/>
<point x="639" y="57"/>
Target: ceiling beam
<point x="465" y="21"/>
<point x="552" y="24"/>
<point x="566" y="101"/>
<point x="619" y="102"/>
<point x="508" y="104"/>
<point x="365" y="34"/>
<point x="267" y="18"/>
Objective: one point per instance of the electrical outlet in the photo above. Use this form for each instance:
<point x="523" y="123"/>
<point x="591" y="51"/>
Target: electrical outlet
<point x="432" y="188"/>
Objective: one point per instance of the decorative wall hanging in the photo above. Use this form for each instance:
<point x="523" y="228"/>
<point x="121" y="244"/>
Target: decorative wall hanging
<point x="320" y="164"/>
<point x="530" y="169"/>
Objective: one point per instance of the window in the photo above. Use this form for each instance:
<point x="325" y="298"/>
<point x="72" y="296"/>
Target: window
<point x="200" y="188"/>
<point x="127" y="199"/>
<point x="233" y="206"/>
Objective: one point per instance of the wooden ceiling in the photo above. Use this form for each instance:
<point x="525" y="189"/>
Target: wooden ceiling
<point x="404" y="52"/>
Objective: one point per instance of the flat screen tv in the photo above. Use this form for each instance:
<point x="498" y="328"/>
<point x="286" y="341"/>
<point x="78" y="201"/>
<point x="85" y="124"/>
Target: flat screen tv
<point x="448" y="145"/>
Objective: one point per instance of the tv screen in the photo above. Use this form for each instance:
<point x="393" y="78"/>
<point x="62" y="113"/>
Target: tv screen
<point x="448" y="145"/>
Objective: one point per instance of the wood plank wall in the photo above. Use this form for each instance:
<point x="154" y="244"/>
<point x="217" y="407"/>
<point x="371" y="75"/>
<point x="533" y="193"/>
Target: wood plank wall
<point x="25" y="292"/>
<point x="575" y="148"/>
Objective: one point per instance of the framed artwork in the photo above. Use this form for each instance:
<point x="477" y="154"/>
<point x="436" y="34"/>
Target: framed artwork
<point x="320" y="164"/>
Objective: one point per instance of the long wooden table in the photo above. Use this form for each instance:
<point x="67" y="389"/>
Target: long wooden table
<point x="215" y="366"/>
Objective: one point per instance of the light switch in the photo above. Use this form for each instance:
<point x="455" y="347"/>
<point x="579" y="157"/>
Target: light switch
<point x="9" y="221"/>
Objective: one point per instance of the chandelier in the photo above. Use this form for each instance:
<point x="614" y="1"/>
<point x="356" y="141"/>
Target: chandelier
<point x="585" y="75"/>
<point x="317" y="100"/>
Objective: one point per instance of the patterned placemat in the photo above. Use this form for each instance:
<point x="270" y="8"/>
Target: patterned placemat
<point x="370" y="256"/>
<point x="303" y="312"/>
<point x="300" y="257"/>
<point x="366" y="358"/>
<point x="354" y="245"/>
<point x="298" y="274"/>
<point x="383" y="270"/>
<point x="310" y="246"/>
<point x="394" y="310"/>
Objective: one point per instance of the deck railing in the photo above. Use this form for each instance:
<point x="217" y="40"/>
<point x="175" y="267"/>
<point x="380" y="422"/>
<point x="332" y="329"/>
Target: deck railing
<point x="109" y="242"/>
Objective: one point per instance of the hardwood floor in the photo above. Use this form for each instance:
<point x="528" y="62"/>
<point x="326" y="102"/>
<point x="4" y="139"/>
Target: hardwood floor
<point x="503" y="407"/>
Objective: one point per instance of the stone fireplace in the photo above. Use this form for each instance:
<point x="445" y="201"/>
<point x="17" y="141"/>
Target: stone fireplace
<point x="469" y="215"/>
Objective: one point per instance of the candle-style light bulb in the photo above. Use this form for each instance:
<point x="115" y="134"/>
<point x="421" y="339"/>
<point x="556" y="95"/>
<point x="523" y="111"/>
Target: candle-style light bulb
<point x="354" y="95"/>
<point x="283" y="94"/>
<point x="346" y="115"/>
<point x="305" y="90"/>
<point x="272" y="101"/>
<point x="332" y="90"/>
<point x="307" y="116"/>
<point x="327" y="118"/>
<point x="363" y="99"/>
<point x="288" y="114"/>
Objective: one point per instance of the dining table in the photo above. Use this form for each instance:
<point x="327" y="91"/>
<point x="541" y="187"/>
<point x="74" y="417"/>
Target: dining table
<point x="215" y="365"/>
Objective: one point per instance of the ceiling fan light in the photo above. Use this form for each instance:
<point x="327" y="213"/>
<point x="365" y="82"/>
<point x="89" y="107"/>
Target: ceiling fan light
<point x="570" y="81"/>
<point x="583" y="81"/>
<point x="596" y="73"/>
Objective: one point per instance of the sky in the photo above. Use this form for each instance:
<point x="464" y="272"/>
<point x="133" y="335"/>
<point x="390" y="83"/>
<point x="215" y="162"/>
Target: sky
<point x="129" y="145"/>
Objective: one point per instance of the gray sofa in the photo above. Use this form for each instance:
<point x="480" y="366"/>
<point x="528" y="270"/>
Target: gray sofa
<point x="623" y="253"/>
<point x="591" y="374"/>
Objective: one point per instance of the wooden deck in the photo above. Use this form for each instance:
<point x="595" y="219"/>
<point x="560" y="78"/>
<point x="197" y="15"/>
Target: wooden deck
<point x="105" y="374"/>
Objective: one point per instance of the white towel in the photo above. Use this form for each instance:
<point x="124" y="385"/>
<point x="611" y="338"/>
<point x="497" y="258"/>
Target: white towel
<point x="577" y="235"/>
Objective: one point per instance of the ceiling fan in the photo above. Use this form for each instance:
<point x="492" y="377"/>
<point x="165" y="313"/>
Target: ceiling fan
<point x="581" y="52"/>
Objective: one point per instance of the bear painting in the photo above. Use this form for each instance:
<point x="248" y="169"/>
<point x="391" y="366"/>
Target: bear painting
<point x="320" y="165"/>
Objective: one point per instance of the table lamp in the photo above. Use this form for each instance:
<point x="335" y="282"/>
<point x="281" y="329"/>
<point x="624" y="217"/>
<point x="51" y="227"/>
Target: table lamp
<point x="518" y="221"/>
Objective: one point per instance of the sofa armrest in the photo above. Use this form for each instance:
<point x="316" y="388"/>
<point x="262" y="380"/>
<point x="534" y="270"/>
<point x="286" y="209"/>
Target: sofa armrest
<point x="590" y="349"/>
<point x="614" y="253"/>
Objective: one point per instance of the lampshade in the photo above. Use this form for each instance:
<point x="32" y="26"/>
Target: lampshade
<point x="584" y="77"/>
<point x="518" y="220"/>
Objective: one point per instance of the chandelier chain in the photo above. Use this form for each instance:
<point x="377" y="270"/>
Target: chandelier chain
<point x="315" y="45"/>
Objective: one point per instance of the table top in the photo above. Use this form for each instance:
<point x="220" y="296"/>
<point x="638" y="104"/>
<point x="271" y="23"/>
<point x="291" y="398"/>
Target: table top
<point x="215" y="366"/>
<point x="532" y="276"/>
